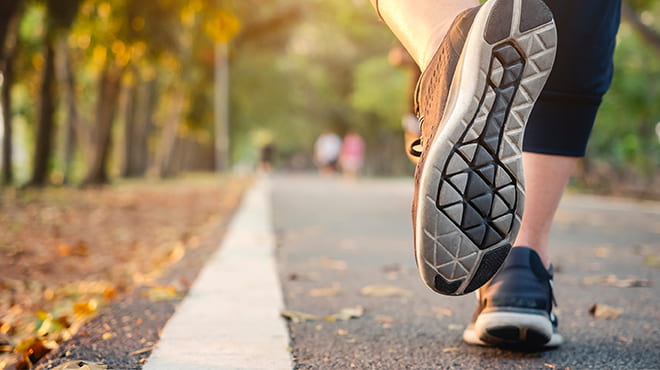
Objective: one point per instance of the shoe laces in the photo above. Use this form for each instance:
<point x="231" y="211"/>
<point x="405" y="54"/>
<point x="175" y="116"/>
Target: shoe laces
<point x="415" y="148"/>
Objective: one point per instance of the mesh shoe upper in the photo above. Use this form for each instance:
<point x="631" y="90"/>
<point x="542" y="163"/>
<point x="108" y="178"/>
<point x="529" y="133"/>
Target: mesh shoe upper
<point x="521" y="289"/>
<point x="522" y="283"/>
<point x="434" y="84"/>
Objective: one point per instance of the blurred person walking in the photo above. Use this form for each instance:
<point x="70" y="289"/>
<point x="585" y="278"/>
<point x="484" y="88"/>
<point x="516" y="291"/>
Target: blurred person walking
<point x="352" y="154"/>
<point x="326" y="152"/>
<point x="266" y="155"/>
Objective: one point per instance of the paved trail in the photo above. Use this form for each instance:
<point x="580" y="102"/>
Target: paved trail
<point x="344" y="235"/>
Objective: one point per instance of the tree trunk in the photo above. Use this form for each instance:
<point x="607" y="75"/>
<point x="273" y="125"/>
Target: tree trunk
<point x="46" y="123"/>
<point x="7" y="67"/>
<point x="168" y="139"/>
<point x="106" y="107"/>
<point x="7" y="10"/>
<point x="129" y="144"/>
<point x="138" y="125"/>
<point x="68" y="84"/>
<point x="147" y="98"/>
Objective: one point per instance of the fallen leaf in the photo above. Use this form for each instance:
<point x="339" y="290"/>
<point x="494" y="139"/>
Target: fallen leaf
<point x="333" y="264"/>
<point x="108" y="335"/>
<point x="343" y="315"/>
<point x="384" y="291"/>
<point x="549" y="365"/>
<point x="85" y="308"/>
<point x="449" y="349"/>
<point x="326" y="292"/>
<point x="80" y="250"/>
<point x="298" y="317"/>
<point x="440" y="311"/>
<point x="347" y="313"/>
<point x="612" y="280"/>
<point x="143" y="350"/>
<point x="162" y="293"/>
<point x="109" y="293"/>
<point x="81" y="365"/>
<point x="32" y="350"/>
<point x="623" y="339"/>
<point x="605" y="312"/>
<point x="342" y="332"/>
<point x="652" y="261"/>
<point x="64" y="250"/>
<point x="177" y="253"/>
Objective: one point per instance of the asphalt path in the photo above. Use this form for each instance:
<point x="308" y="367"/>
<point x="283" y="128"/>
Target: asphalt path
<point x="338" y="239"/>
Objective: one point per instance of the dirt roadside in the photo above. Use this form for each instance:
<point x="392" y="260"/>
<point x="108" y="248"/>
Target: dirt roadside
<point x="67" y="254"/>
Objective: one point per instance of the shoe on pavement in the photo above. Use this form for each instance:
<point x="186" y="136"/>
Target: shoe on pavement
<point x="515" y="308"/>
<point x="473" y="102"/>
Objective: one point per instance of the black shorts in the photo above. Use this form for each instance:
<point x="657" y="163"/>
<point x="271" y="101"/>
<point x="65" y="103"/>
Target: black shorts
<point x="563" y="116"/>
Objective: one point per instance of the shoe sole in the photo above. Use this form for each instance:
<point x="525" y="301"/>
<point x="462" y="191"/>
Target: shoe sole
<point x="514" y="329"/>
<point x="470" y="197"/>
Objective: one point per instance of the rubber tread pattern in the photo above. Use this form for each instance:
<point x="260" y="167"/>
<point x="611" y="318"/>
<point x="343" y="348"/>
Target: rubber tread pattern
<point x="499" y="23"/>
<point x="532" y="16"/>
<point x="477" y="160"/>
<point x="490" y="263"/>
<point x="447" y="286"/>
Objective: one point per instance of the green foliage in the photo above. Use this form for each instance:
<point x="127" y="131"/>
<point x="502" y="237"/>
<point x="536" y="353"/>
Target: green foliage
<point x="327" y="70"/>
<point x="386" y="98"/>
<point x="624" y="134"/>
<point x="296" y="69"/>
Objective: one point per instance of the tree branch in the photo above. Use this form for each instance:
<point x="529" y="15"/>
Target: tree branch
<point x="647" y="33"/>
<point x="258" y="29"/>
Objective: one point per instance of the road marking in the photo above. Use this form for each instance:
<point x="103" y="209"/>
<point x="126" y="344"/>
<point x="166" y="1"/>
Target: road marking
<point x="230" y="318"/>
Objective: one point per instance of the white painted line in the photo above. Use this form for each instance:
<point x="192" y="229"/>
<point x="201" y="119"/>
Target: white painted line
<point x="231" y="316"/>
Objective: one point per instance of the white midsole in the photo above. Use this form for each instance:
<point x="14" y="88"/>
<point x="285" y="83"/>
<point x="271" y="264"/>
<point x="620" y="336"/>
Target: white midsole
<point x="525" y="322"/>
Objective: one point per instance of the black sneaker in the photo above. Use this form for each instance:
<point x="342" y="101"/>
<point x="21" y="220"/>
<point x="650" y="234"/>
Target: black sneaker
<point x="515" y="308"/>
<point x="473" y="101"/>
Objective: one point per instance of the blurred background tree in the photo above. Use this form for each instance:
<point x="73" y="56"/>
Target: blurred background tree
<point x="124" y="88"/>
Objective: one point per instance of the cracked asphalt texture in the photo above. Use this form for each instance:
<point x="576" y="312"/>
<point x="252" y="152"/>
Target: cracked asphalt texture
<point x="345" y="235"/>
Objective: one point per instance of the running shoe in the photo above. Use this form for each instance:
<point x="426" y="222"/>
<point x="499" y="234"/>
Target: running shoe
<point x="515" y="307"/>
<point x="473" y="101"/>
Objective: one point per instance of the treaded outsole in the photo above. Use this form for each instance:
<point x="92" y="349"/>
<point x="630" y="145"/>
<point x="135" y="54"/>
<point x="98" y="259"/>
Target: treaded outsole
<point x="513" y="330"/>
<point x="471" y="193"/>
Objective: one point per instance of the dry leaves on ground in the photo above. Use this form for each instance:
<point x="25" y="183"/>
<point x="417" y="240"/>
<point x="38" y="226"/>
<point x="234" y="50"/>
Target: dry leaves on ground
<point x="440" y="312"/>
<point x="344" y="315"/>
<point x="81" y="365"/>
<point x="652" y="261"/>
<point x="603" y="311"/>
<point x="384" y="291"/>
<point x="613" y="280"/>
<point x="326" y="292"/>
<point x="66" y="252"/>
